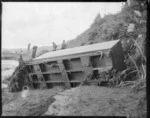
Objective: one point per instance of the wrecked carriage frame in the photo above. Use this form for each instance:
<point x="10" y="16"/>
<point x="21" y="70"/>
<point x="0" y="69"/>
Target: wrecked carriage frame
<point x="71" y="67"/>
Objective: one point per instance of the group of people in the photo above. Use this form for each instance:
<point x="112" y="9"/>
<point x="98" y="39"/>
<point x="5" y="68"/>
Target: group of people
<point x="63" y="46"/>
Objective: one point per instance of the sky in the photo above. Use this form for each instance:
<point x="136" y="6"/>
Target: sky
<point x="43" y="23"/>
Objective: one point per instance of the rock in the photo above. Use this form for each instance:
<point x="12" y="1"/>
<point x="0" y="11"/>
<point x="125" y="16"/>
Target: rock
<point x="24" y="93"/>
<point x="131" y="27"/>
<point x="130" y="2"/>
<point x="142" y="21"/>
<point x="61" y="100"/>
<point x="137" y="13"/>
<point x="140" y="36"/>
<point x="144" y="3"/>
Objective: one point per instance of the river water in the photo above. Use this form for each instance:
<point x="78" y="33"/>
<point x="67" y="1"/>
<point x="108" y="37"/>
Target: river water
<point x="8" y="67"/>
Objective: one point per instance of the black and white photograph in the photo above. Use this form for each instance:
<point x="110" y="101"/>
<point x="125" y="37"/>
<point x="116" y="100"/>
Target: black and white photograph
<point x="74" y="59"/>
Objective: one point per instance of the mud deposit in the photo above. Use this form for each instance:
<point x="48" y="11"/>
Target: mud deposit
<point x="35" y="103"/>
<point x="79" y="101"/>
<point x="98" y="101"/>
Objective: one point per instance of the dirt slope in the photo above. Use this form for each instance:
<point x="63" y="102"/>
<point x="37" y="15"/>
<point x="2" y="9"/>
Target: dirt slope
<point x="98" y="101"/>
<point x="79" y="101"/>
<point x="35" y="103"/>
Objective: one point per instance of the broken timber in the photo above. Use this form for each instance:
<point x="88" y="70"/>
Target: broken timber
<point x="74" y="65"/>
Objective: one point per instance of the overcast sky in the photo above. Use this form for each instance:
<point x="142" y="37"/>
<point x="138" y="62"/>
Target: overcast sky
<point x="42" y="23"/>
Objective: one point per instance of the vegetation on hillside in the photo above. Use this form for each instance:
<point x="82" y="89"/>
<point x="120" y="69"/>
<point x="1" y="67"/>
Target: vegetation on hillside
<point x="113" y="27"/>
<point x="116" y="26"/>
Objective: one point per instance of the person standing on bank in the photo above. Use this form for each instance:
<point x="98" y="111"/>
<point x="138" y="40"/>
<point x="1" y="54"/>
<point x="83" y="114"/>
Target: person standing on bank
<point x="54" y="46"/>
<point x="63" y="46"/>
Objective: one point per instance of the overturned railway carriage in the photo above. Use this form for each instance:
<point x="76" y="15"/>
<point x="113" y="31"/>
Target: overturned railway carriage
<point x="72" y="66"/>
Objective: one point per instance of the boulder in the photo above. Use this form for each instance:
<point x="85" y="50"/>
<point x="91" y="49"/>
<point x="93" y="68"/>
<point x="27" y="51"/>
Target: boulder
<point x="137" y="13"/>
<point x="140" y="36"/>
<point x="131" y="27"/>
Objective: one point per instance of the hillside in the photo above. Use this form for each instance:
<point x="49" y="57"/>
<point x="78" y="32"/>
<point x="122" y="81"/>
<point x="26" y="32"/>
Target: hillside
<point x="129" y="25"/>
<point x="113" y="27"/>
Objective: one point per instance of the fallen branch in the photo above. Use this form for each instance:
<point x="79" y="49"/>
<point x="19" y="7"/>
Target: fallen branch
<point x="134" y="64"/>
<point x="124" y="71"/>
<point x="126" y="83"/>
<point x="131" y="72"/>
<point x="144" y="72"/>
<point x="139" y="85"/>
<point x="139" y="49"/>
<point x="131" y="81"/>
<point x="120" y="84"/>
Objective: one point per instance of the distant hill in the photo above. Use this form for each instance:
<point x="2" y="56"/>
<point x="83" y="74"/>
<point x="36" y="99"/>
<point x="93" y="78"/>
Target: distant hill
<point x="15" y="53"/>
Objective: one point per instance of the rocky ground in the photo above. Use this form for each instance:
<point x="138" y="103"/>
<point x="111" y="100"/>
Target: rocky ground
<point x="79" y="101"/>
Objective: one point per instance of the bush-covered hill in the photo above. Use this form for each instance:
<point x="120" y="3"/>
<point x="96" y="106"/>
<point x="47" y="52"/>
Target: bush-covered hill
<point x="129" y="25"/>
<point x="113" y="27"/>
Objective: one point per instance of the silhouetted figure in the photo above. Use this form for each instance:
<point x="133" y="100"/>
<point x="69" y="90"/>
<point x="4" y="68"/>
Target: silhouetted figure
<point x="63" y="46"/>
<point x="33" y="55"/>
<point x="21" y="60"/>
<point x="54" y="46"/>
